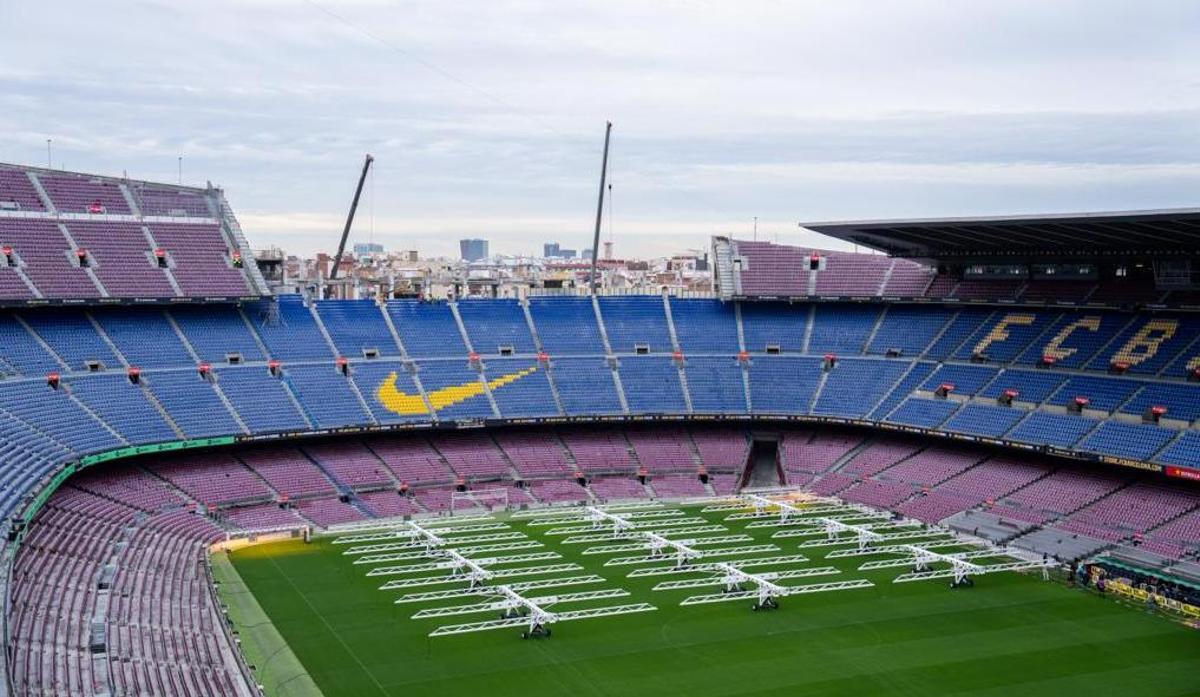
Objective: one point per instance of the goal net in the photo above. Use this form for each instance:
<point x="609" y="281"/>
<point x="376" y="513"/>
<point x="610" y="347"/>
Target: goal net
<point x="486" y="499"/>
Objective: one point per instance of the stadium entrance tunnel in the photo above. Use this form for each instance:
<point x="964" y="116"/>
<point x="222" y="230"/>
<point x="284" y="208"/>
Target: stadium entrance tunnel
<point x="764" y="468"/>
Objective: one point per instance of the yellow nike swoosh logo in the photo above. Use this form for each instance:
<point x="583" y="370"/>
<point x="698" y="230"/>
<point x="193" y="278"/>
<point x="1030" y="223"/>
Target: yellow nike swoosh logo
<point x="406" y="404"/>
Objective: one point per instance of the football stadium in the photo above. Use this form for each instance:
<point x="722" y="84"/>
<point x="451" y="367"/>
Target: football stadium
<point x="968" y="465"/>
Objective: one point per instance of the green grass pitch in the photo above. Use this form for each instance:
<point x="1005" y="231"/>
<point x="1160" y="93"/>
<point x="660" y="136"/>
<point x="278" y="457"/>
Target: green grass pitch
<point x="1013" y="634"/>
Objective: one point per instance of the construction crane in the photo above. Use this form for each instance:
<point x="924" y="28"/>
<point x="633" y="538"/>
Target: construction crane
<point x="362" y="178"/>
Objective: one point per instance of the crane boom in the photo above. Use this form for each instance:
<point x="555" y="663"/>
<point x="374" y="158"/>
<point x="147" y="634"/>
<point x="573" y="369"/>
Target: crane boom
<point x="362" y="178"/>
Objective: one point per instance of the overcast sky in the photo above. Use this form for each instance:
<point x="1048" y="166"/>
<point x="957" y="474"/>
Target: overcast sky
<point x="487" y="118"/>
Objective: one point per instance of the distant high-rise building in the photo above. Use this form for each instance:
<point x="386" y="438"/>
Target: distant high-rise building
<point x="585" y="254"/>
<point x="473" y="249"/>
<point x="552" y="250"/>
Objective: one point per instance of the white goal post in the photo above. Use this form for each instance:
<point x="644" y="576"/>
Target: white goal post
<point x="488" y="499"/>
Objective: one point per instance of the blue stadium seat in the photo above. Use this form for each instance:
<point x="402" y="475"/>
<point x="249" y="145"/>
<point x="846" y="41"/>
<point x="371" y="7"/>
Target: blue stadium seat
<point x="1003" y="337"/>
<point x="585" y="386"/>
<point x="355" y="326"/>
<point x="21" y="352"/>
<point x="1031" y="386"/>
<point x="652" y="385"/>
<point x="704" y="326"/>
<point x="919" y="373"/>
<point x="967" y="379"/>
<point x="928" y="413"/>
<point x="217" y="331"/>
<point x="779" y="324"/>
<point x="53" y="411"/>
<point x="524" y="394"/>
<point x="966" y="323"/>
<point x="293" y="335"/>
<point x="370" y="376"/>
<point x="123" y="406"/>
<point x="1150" y="343"/>
<point x="1061" y="430"/>
<point x="1105" y="394"/>
<point x="192" y="403"/>
<point x="144" y="337"/>
<point x="783" y="384"/>
<point x="909" y="329"/>
<point x="854" y="386"/>
<point x="842" y="329"/>
<point x="1184" y="452"/>
<point x="1127" y="440"/>
<point x="455" y="373"/>
<point x="715" y="384"/>
<point x="326" y="395"/>
<point x="260" y="400"/>
<point x="567" y="325"/>
<point x="71" y="335"/>
<point x="427" y="329"/>
<point x="1182" y="401"/>
<point x="1075" y="338"/>
<point x="633" y="320"/>
<point x="983" y="420"/>
<point x="491" y="324"/>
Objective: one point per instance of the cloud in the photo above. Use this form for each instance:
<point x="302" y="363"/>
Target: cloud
<point x="486" y="118"/>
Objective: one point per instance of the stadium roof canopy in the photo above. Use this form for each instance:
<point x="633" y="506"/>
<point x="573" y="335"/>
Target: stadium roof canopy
<point x="1169" y="232"/>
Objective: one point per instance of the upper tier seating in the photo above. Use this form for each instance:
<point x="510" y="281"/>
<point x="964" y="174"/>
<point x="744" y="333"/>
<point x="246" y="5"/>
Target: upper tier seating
<point x="193" y="404"/>
<point x="72" y="194"/>
<point x="852" y="274"/>
<point x="783" y="384"/>
<point x="854" y="386"/>
<point x="46" y="258"/>
<point x="123" y="258"/>
<point x="776" y="270"/>
<point x="162" y="201"/>
<point x="203" y="262"/>
<point x="15" y="187"/>
<point x="76" y="237"/>
<point x="520" y="387"/>
<point x="262" y="401"/>
<point x="125" y="407"/>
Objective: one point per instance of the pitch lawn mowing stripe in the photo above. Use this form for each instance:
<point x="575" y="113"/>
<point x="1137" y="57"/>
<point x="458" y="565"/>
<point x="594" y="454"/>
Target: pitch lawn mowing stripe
<point x="1011" y="634"/>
